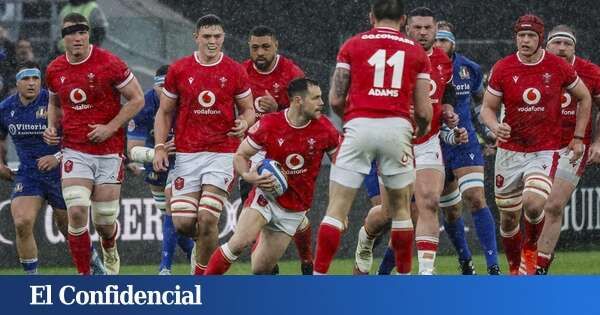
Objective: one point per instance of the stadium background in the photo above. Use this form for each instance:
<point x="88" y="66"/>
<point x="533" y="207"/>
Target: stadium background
<point x="147" y="34"/>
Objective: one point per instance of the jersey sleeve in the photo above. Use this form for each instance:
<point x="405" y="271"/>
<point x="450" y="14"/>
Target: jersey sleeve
<point x="170" y="86"/>
<point x="569" y="75"/>
<point x="595" y="86"/>
<point x="121" y="73"/>
<point x="242" y="88"/>
<point x="334" y="137"/>
<point x="257" y="134"/>
<point x="344" y="59"/>
<point x="423" y="68"/>
<point x="495" y="82"/>
<point x="296" y="72"/>
<point x="50" y="80"/>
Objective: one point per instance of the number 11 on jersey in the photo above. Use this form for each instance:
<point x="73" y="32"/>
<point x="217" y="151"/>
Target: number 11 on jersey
<point x="396" y="61"/>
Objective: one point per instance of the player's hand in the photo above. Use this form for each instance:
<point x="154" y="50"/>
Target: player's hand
<point x="239" y="129"/>
<point x="594" y="153"/>
<point x="6" y="173"/>
<point x="576" y="146"/>
<point x="51" y="136"/>
<point x="161" y="160"/>
<point x="47" y="163"/>
<point x="265" y="182"/>
<point x="100" y="133"/>
<point x="489" y="149"/>
<point x="461" y="136"/>
<point x="502" y="132"/>
<point x="170" y="146"/>
<point x="450" y="118"/>
<point x="135" y="168"/>
<point x="267" y="103"/>
<point x="419" y="132"/>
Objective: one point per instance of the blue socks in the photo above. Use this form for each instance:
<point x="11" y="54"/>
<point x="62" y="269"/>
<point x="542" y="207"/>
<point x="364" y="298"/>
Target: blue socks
<point x="388" y="263"/>
<point x="29" y="266"/>
<point x="168" y="244"/>
<point x="456" y="233"/>
<point x="486" y="232"/>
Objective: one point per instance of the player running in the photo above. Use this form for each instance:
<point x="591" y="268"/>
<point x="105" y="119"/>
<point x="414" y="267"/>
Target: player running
<point x="203" y="92"/>
<point x="23" y="116"/>
<point x="464" y="186"/>
<point x="86" y="85"/>
<point x="297" y="138"/>
<point x="562" y="42"/>
<point x="140" y="144"/>
<point x="530" y="84"/>
<point x="379" y="74"/>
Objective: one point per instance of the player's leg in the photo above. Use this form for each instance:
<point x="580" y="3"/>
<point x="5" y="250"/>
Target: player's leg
<point x="471" y="184"/>
<point x="270" y="248"/>
<point x="248" y="226"/>
<point x="169" y="241"/>
<point x="24" y="210"/>
<point x="105" y="211"/>
<point x="77" y="193"/>
<point x="210" y="206"/>
<point x="185" y="243"/>
<point x="509" y="200"/>
<point x="454" y="225"/>
<point x="565" y="181"/>
<point x="303" y="240"/>
<point x="428" y="188"/>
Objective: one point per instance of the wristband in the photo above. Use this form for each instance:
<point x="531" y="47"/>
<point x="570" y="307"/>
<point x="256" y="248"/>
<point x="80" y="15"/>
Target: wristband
<point x="578" y="137"/>
<point x="58" y="155"/>
<point x="158" y="145"/>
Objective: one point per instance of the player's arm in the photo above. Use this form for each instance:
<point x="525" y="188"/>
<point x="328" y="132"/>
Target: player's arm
<point x="241" y="163"/>
<point x="340" y="83"/>
<point x="448" y="101"/>
<point x="162" y="124"/>
<point x="5" y="172"/>
<point x="453" y="136"/>
<point x="595" y="147"/>
<point x="132" y="92"/>
<point x="584" y="108"/>
<point x="422" y="107"/>
<point x="246" y="117"/>
<point x="54" y="120"/>
<point x="489" y="109"/>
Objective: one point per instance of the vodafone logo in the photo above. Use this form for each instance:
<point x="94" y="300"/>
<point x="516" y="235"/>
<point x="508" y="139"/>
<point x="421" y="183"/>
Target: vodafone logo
<point x="294" y="161"/>
<point x="207" y="98"/>
<point x="531" y="96"/>
<point x="77" y="96"/>
<point x="432" y="88"/>
<point x="565" y="100"/>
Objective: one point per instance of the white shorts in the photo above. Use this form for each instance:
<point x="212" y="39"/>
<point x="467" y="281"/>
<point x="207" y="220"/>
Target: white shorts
<point x="428" y="155"/>
<point x="512" y="168"/>
<point x="278" y="218"/>
<point x="387" y="140"/>
<point x="192" y="170"/>
<point x="101" y="169"/>
<point x="568" y="171"/>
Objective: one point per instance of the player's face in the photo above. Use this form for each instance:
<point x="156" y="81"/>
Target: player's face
<point x="444" y="44"/>
<point x="562" y="47"/>
<point x="29" y="87"/>
<point x="312" y="103"/>
<point x="77" y="43"/>
<point x="263" y="50"/>
<point x="210" y="40"/>
<point x="422" y="29"/>
<point x="527" y="42"/>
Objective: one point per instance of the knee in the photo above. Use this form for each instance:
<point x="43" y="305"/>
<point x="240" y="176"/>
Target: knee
<point x="533" y="207"/>
<point x="509" y="220"/>
<point x="78" y="216"/>
<point x="474" y="200"/>
<point x="23" y="226"/>
<point x="428" y="202"/>
<point x="553" y="210"/>
<point x="185" y="226"/>
<point x="207" y="224"/>
<point x="452" y="213"/>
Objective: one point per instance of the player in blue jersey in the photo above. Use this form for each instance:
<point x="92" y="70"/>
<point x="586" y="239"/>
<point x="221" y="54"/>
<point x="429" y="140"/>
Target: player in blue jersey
<point x="23" y="116"/>
<point x="464" y="187"/>
<point x="140" y="144"/>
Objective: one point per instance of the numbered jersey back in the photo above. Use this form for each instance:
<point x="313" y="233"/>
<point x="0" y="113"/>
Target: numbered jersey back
<point x="384" y="66"/>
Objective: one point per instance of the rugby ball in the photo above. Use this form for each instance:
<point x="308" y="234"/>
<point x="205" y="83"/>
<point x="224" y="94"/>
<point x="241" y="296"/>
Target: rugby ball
<point x="268" y="166"/>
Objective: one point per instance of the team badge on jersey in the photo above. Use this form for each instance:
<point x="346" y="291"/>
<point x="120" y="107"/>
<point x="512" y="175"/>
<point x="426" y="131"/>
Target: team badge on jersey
<point x="41" y="113"/>
<point x="464" y="73"/>
<point x="499" y="181"/>
<point x="546" y="77"/>
<point x="262" y="201"/>
<point x="223" y="80"/>
<point x="179" y="183"/>
<point x="131" y="126"/>
<point x="18" y="187"/>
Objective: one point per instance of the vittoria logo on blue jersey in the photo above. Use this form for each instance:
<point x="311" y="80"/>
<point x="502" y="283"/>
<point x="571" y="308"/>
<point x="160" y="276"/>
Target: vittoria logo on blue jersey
<point x="464" y="73"/>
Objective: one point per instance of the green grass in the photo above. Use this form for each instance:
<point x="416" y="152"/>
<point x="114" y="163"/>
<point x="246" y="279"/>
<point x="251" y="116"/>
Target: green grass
<point x="574" y="263"/>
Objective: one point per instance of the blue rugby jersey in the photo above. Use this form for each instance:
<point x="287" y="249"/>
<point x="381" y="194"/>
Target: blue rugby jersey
<point x="467" y="80"/>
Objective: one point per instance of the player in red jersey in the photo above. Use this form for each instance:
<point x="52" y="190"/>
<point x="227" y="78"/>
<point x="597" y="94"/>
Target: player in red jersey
<point x="85" y="86"/>
<point x="428" y="156"/>
<point x="297" y="138"/>
<point x="530" y="84"/>
<point x="561" y="42"/>
<point x="269" y="74"/>
<point x="203" y="92"/>
<point x="379" y="74"/>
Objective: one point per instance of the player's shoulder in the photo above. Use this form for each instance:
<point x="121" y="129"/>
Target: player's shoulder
<point x="248" y="65"/>
<point x="440" y="54"/>
<point x="8" y="103"/>
<point x="182" y="62"/>
<point x="58" y="63"/>
<point x="274" y="118"/>
<point x="462" y="60"/>
<point x="585" y="65"/>
<point x="104" y="54"/>
<point x="504" y="63"/>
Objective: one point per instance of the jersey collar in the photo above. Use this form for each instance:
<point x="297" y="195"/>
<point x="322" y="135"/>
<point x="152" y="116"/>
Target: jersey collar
<point x="533" y="64"/>
<point x="270" y="71"/>
<point x="82" y="61"/>
<point x="208" y="64"/>
<point x="285" y="113"/>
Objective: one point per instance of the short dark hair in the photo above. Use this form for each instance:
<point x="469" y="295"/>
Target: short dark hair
<point x="75" y="18"/>
<point x="262" y="30"/>
<point x="563" y="28"/>
<point x="209" y="20"/>
<point x="421" y="11"/>
<point x="27" y="65"/>
<point x="299" y="86"/>
<point x="387" y="9"/>
<point x="162" y="70"/>
<point x="446" y="24"/>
